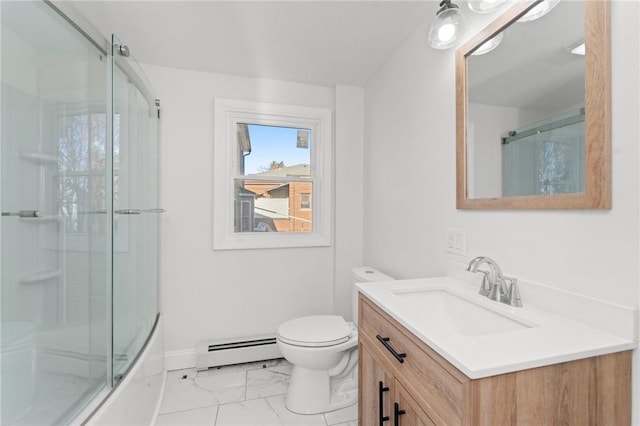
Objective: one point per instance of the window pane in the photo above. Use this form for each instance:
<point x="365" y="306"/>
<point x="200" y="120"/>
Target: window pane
<point x="81" y="180"/>
<point x="273" y="150"/>
<point x="305" y="200"/>
<point x="264" y="206"/>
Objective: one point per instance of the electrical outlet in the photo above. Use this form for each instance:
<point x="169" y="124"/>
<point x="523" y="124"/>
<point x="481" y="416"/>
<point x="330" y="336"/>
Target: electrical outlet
<point x="451" y="239"/>
<point x="457" y="241"/>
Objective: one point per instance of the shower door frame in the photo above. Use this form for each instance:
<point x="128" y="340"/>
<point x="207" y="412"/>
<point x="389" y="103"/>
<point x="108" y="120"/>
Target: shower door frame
<point x="104" y="45"/>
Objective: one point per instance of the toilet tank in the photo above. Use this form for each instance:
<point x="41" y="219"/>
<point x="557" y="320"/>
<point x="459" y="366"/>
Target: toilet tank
<point x="364" y="274"/>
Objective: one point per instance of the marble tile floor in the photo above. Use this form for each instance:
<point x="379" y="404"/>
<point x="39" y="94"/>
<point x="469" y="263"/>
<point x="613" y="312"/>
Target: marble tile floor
<point x="239" y="395"/>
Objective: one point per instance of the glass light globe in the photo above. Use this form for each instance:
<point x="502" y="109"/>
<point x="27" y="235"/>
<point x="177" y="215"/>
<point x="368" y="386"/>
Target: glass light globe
<point x="485" y="6"/>
<point x="446" y="29"/>
<point x="580" y="49"/>
<point x="539" y="10"/>
<point x="489" y="45"/>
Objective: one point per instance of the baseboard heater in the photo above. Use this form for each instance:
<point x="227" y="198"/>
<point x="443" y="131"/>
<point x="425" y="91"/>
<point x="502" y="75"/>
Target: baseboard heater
<point x="219" y="353"/>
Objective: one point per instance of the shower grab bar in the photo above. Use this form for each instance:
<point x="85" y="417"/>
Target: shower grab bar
<point x="24" y="213"/>
<point x="127" y="211"/>
<point x="139" y="211"/>
<point x="38" y="213"/>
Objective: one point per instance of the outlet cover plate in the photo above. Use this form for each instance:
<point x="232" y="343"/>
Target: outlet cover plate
<point x="457" y="241"/>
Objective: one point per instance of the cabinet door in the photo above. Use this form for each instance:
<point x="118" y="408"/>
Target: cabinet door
<point x="406" y="411"/>
<point x="376" y="390"/>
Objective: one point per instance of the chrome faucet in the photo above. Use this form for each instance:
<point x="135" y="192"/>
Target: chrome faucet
<point x="494" y="284"/>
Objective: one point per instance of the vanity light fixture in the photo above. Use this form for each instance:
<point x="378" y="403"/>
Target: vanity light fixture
<point x="485" y="6"/>
<point x="539" y="10"/>
<point x="489" y="45"/>
<point x="446" y="27"/>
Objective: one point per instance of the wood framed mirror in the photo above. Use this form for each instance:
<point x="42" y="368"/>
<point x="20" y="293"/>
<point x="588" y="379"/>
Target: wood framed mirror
<point x="533" y="120"/>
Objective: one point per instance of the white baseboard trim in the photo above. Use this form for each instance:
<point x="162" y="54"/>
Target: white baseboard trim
<point x="180" y="359"/>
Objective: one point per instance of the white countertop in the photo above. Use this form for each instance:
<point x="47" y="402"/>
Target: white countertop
<point x="547" y="339"/>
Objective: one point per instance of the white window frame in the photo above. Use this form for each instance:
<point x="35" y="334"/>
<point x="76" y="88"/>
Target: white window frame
<point x="227" y="114"/>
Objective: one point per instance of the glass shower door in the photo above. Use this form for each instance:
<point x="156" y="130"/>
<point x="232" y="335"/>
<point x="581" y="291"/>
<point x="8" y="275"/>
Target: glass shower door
<point x="135" y="221"/>
<point x="54" y="229"/>
<point x="545" y="158"/>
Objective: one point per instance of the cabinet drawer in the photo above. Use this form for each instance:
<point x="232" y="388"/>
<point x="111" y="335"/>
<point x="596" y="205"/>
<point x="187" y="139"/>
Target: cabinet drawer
<point x="435" y="384"/>
<point x="411" y="414"/>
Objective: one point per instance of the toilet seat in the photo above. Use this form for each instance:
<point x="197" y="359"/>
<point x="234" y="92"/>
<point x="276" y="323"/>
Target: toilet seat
<point x="315" y="331"/>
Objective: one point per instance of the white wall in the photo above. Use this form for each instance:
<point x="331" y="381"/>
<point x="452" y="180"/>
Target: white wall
<point x="214" y="295"/>
<point x="486" y="125"/>
<point x="348" y="193"/>
<point x="410" y="164"/>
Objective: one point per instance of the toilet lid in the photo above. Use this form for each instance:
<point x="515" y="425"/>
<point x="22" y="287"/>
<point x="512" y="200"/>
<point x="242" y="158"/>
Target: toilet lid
<point x="317" y="330"/>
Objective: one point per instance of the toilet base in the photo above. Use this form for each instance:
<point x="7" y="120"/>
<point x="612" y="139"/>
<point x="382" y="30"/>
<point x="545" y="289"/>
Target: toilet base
<point x="314" y="392"/>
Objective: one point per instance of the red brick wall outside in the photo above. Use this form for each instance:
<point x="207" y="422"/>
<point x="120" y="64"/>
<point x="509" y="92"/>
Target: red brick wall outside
<point x="296" y="189"/>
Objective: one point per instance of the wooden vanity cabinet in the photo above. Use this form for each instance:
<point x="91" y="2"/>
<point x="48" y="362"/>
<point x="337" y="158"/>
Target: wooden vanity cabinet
<point x="403" y="382"/>
<point x="384" y="399"/>
<point x="375" y="397"/>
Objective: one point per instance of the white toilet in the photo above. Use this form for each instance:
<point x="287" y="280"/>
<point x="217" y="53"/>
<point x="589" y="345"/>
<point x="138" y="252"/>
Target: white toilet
<point x="323" y="351"/>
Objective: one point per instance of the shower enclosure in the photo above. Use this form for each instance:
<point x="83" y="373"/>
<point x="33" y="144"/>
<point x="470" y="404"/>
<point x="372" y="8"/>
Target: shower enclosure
<point x="545" y="158"/>
<point x="79" y="226"/>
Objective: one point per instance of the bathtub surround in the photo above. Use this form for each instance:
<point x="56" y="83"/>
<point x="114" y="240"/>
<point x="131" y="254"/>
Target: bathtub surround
<point x="136" y="400"/>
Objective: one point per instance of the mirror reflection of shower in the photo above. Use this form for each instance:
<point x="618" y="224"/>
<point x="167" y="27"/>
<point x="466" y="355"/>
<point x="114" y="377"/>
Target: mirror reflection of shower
<point x="545" y="158"/>
<point x="515" y="85"/>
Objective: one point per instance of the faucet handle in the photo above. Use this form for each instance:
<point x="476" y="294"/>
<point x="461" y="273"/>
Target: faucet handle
<point x="512" y="297"/>
<point x="497" y="290"/>
<point x="485" y="287"/>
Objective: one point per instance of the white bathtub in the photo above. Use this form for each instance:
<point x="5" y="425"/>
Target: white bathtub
<point x="136" y="399"/>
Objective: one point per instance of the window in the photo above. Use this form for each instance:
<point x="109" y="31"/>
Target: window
<point x="305" y="200"/>
<point x="274" y="165"/>
<point x="81" y="178"/>
<point x="272" y="175"/>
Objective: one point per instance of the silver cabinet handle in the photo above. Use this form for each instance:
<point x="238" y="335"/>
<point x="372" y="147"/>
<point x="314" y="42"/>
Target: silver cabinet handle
<point x="24" y="213"/>
<point x="139" y="211"/>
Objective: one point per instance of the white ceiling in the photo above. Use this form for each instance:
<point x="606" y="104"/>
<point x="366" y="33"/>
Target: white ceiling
<point x="314" y="42"/>
<point x="532" y="67"/>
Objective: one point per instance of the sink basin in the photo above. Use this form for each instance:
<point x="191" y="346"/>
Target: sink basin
<point x="459" y="313"/>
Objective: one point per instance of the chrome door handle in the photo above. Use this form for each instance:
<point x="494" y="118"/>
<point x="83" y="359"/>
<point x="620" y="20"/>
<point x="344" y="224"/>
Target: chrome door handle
<point x="139" y="211"/>
<point x="24" y="213"/>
